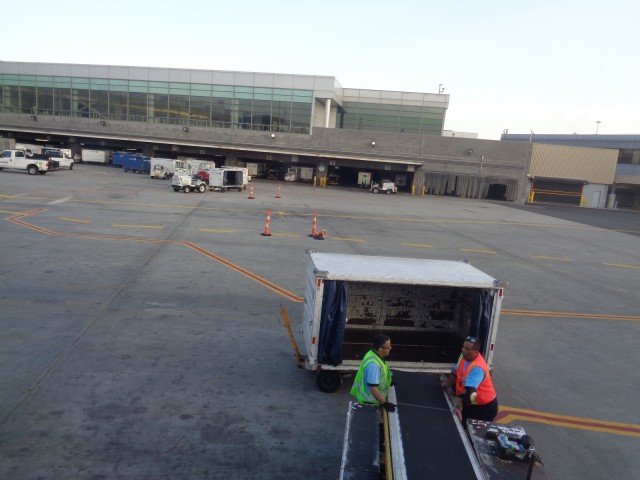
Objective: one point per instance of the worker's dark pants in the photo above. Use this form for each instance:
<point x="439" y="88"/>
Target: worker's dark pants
<point x="486" y="412"/>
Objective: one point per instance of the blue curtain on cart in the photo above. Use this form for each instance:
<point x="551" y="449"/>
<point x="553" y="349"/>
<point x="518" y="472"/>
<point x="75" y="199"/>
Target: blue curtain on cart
<point x="332" y="322"/>
<point x="481" y="318"/>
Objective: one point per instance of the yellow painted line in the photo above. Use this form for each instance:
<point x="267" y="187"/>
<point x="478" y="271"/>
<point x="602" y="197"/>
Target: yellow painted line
<point x="74" y="220"/>
<point x="478" y="251"/>
<point x="416" y="245"/>
<point x="511" y="414"/>
<point x="18" y="219"/>
<point x="4" y="195"/>
<point x="285" y="235"/>
<point x="135" y="226"/>
<point x="363" y="217"/>
<point x="621" y="266"/>
<point x="12" y="213"/>
<point x="552" y="258"/>
<point x="597" y="316"/>
<point x="215" y="230"/>
<point x="349" y="239"/>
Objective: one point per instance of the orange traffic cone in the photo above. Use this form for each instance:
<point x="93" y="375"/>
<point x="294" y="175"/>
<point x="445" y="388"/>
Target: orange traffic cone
<point x="314" y="229"/>
<point x="251" y="197"/>
<point x="322" y="235"/>
<point x="266" y="225"/>
<point x="278" y="193"/>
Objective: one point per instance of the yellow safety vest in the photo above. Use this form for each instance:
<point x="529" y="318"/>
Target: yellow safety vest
<point x="359" y="389"/>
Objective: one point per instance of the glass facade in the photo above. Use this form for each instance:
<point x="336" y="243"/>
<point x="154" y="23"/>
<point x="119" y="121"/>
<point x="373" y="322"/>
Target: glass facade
<point x="384" y="117"/>
<point x="223" y="106"/>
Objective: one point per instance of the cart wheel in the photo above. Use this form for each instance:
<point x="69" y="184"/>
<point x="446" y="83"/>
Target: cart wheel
<point x="328" y="381"/>
<point x="376" y="189"/>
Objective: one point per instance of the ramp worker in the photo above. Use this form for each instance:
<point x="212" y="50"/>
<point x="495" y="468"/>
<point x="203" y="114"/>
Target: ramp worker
<point x="473" y="385"/>
<point x="374" y="379"/>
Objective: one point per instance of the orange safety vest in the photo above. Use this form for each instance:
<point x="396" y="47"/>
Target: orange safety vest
<point x="485" y="391"/>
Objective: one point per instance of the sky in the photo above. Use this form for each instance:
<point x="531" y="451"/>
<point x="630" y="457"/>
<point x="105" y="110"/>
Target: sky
<point x="539" y="66"/>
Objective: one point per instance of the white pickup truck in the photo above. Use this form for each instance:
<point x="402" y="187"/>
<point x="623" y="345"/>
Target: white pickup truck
<point x="18" y="160"/>
<point x="60" y="155"/>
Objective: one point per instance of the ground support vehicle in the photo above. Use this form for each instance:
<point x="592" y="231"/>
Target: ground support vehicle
<point x="306" y="174"/>
<point x="386" y="186"/>
<point x="427" y="307"/>
<point x="423" y="435"/>
<point x="228" y="178"/>
<point x="161" y="168"/>
<point x="255" y="169"/>
<point x="188" y="183"/>
<point x="37" y="163"/>
<point x="29" y="148"/>
<point x="63" y="157"/>
<point x="95" y="156"/>
<point x="136" y="164"/>
<point x="364" y="179"/>
<point x="292" y="175"/>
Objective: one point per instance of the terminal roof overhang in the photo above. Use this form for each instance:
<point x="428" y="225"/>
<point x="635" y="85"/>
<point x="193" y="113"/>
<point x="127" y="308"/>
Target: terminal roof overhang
<point x="234" y="147"/>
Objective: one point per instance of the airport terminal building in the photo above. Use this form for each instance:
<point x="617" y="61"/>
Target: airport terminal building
<point x="284" y="121"/>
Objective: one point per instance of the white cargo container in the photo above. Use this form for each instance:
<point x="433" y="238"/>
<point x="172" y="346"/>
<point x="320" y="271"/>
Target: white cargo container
<point x="292" y="175"/>
<point x="427" y="307"/>
<point x="256" y="169"/>
<point x="29" y="149"/>
<point x="95" y="156"/>
<point x="306" y="174"/>
<point x="161" y="168"/>
<point x="228" y="178"/>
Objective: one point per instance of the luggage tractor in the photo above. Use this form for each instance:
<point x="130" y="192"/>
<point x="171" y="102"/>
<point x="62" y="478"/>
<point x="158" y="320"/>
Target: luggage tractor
<point x="188" y="183"/>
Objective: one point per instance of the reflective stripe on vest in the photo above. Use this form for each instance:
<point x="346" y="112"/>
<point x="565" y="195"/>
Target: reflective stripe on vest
<point x="359" y="389"/>
<point x="485" y="391"/>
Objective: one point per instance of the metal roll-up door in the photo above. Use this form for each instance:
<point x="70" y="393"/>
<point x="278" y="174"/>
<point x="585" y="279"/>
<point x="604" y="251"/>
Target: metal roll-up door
<point x="556" y="191"/>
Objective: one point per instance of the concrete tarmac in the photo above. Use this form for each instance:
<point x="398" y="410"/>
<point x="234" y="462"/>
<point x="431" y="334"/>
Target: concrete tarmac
<point x="137" y="341"/>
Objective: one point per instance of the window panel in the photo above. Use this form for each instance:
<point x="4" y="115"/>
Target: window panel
<point x="80" y="102"/>
<point x="138" y="87"/>
<point x="28" y="99"/>
<point x="200" y="108"/>
<point x="138" y="106"/>
<point x="118" y="105"/>
<point x="158" y="107"/>
<point x="11" y="98"/>
<point x="100" y="102"/>
<point x="62" y="101"/>
<point x="45" y="99"/>
<point x="99" y="84"/>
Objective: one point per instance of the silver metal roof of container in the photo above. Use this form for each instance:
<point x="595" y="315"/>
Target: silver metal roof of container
<point x="407" y="271"/>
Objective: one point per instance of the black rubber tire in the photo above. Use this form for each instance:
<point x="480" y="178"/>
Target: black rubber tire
<point x="176" y="189"/>
<point x="71" y="166"/>
<point x="202" y="189"/>
<point x="42" y="173"/>
<point x="32" y="169"/>
<point x="375" y="190"/>
<point x="186" y="189"/>
<point x="328" y="381"/>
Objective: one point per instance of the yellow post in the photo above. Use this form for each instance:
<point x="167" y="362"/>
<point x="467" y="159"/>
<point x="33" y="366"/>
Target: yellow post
<point x="424" y="189"/>
<point x="314" y="180"/>
<point x="387" y="446"/>
<point x="413" y="189"/>
<point x="531" y="195"/>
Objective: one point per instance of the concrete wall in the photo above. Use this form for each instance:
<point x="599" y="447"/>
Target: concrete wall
<point x="594" y="195"/>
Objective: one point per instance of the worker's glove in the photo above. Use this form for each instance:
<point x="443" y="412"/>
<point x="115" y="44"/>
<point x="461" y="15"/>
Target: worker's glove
<point x="389" y="407"/>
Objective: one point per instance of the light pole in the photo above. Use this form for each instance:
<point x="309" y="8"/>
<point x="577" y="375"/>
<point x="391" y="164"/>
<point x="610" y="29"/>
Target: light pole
<point x="598" y="122"/>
